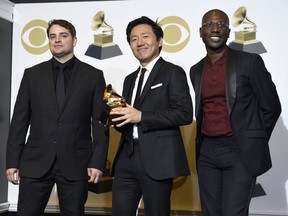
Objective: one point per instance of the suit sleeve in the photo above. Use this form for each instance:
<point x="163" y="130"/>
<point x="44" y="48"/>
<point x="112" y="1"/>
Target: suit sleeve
<point x="100" y="131"/>
<point x="19" y="124"/>
<point x="266" y="93"/>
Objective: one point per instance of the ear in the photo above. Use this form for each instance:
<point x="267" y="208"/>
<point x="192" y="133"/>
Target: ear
<point x="229" y="30"/>
<point x="160" y="42"/>
<point x="74" y="41"/>
<point x="200" y="32"/>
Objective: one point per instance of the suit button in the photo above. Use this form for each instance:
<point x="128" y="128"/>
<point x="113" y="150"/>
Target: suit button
<point x="55" y="142"/>
<point x="59" y="123"/>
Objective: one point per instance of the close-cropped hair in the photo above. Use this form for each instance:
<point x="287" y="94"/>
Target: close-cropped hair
<point x="157" y="30"/>
<point x="63" y="23"/>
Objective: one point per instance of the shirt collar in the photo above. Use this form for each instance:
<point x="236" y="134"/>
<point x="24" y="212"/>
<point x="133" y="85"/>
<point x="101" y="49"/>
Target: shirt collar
<point x="68" y="64"/>
<point x="221" y="60"/>
<point x="151" y="64"/>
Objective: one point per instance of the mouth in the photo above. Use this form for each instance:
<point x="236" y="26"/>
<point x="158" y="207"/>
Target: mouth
<point x="215" y="38"/>
<point x="141" y="49"/>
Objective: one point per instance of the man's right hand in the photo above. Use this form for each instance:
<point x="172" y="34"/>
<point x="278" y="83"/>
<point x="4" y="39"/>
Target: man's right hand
<point x="13" y="175"/>
<point x="128" y="114"/>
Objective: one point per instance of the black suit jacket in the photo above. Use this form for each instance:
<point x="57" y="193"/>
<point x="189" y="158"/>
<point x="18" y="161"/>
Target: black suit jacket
<point x="253" y="105"/>
<point x="165" y="104"/>
<point x="65" y="133"/>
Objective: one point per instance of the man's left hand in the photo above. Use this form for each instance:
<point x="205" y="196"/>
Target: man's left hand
<point x="95" y="175"/>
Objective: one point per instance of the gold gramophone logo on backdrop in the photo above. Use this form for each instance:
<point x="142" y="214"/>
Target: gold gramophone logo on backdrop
<point x="103" y="46"/>
<point x="245" y="39"/>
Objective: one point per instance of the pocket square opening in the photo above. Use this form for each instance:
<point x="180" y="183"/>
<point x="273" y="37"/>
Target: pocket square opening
<point x="156" y="86"/>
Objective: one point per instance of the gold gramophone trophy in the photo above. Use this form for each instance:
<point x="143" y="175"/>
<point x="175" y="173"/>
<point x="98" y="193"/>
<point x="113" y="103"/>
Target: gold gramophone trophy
<point x="103" y="46"/>
<point x="245" y="39"/>
<point x="113" y="100"/>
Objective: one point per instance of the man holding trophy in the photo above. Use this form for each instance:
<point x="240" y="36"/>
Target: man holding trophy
<point x="151" y="151"/>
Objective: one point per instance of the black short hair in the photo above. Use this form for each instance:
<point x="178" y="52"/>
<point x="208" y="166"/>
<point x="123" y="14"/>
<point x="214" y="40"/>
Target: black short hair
<point x="144" y="20"/>
<point x="64" y="23"/>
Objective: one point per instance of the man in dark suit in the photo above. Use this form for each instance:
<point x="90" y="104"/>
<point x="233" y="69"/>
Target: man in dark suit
<point x="237" y="107"/>
<point x="59" y="148"/>
<point x="151" y="151"/>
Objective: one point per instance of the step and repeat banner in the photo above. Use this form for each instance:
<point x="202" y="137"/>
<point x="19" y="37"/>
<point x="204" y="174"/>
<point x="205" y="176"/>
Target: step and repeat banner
<point x="255" y="27"/>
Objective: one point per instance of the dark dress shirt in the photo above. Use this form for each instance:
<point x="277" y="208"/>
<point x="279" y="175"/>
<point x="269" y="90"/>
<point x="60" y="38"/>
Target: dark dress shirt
<point x="68" y="70"/>
<point x="216" y="117"/>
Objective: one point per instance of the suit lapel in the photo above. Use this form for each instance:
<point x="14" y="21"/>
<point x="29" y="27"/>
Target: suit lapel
<point x="231" y="79"/>
<point x="76" y="75"/>
<point x="130" y="86"/>
<point x="198" y="84"/>
<point x="151" y="78"/>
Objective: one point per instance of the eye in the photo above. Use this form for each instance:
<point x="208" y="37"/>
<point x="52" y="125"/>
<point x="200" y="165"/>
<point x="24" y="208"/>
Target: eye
<point x="222" y="24"/>
<point x="209" y="24"/>
<point x="63" y="36"/>
<point x="176" y="33"/>
<point x="33" y="37"/>
<point x="52" y="37"/>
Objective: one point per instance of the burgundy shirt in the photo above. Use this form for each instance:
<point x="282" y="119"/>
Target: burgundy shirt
<point x="216" y="120"/>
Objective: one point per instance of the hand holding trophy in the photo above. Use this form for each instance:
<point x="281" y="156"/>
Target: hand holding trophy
<point x="113" y="100"/>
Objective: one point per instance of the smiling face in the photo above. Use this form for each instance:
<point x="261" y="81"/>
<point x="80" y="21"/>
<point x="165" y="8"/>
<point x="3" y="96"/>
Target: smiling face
<point x="215" y="30"/>
<point x="144" y="44"/>
<point x="61" y="43"/>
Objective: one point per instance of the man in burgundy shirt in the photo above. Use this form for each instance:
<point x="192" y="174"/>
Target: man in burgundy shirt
<point x="237" y="107"/>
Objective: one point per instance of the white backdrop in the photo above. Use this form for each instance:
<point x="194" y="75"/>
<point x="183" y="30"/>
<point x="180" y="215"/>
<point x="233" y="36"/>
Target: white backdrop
<point x="271" y="31"/>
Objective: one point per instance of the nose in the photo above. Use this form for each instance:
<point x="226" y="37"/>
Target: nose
<point x="140" y="42"/>
<point x="215" y="28"/>
<point x="58" y="38"/>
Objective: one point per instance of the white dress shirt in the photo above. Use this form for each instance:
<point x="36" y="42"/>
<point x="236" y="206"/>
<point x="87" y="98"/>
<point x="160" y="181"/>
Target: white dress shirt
<point x="149" y="68"/>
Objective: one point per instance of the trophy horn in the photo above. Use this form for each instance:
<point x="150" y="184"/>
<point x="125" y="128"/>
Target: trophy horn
<point x="240" y="17"/>
<point x="107" y="92"/>
<point x="112" y="98"/>
<point x="99" y="21"/>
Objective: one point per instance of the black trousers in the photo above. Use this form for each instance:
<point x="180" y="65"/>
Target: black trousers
<point x="34" y="194"/>
<point x="225" y="186"/>
<point x="131" y="182"/>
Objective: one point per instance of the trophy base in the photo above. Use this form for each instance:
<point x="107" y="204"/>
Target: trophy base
<point x="103" y="38"/>
<point x="103" y="186"/>
<point x="258" y="191"/>
<point x="103" y="52"/>
<point x="245" y="35"/>
<point x="254" y="47"/>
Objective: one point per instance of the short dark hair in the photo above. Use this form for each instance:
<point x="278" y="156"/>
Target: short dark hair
<point x="144" y="20"/>
<point x="64" y="23"/>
